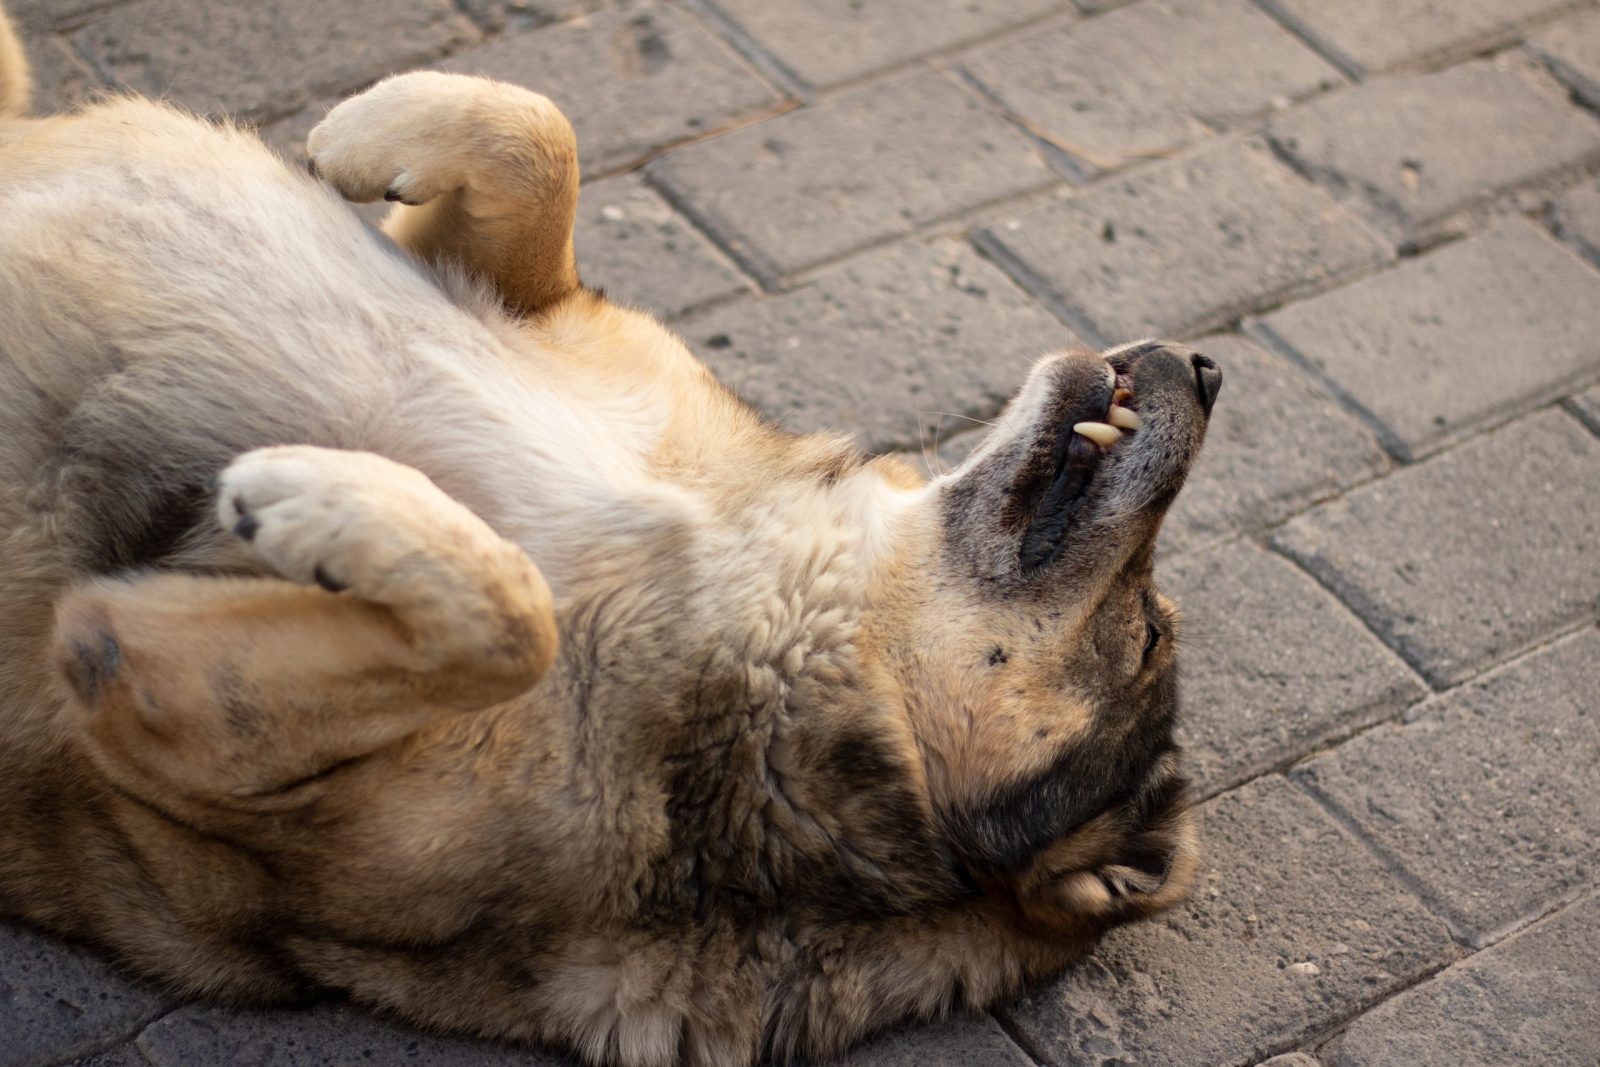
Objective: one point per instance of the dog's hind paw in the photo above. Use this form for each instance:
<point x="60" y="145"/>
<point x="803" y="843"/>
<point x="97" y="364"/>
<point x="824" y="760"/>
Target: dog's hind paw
<point x="383" y="531"/>
<point x="386" y="143"/>
<point x="342" y="520"/>
<point x="422" y="135"/>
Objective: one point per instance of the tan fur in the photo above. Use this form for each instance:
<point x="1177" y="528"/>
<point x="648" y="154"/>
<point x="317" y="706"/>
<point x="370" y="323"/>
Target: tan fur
<point x="15" y="84"/>
<point x="622" y="720"/>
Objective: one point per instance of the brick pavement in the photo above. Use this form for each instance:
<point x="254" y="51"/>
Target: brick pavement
<point x="1381" y="216"/>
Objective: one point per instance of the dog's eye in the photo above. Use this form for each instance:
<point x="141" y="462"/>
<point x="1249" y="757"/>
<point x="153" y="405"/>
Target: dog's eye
<point x="1152" y="638"/>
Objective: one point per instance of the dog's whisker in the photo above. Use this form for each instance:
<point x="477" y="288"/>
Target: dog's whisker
<point x="930" y="460"/>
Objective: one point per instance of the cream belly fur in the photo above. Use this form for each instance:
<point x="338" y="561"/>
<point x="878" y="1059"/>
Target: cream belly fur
<point x="388" y="613"/>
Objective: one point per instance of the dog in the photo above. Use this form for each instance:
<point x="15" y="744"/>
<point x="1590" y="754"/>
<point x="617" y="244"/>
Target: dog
<point x="388" y="613"/>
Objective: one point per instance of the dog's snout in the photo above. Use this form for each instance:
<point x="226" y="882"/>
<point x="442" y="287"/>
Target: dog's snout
<point x="1207" y="380"/>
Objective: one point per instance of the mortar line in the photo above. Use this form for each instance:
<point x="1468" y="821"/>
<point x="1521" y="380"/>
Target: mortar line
<point x="755" y="265"/>
<point x="1442" y="685"/>
<point x="744" y="48"/>
<point x="1325" y="50"/>
<point x="1262" y="333"/>
<point x="1058" y="159"/>
<point x="122" y="1036"/>
<point x="1588" y="422"/>
<point x="1036" y="286"/>
<point x="1403" y="717"/>
<point x="1065" y="13"/>
<point x="775" y="281"/>
<point x="1336" y="1029"/>
<point x="1024" y="1044"/>
<point x="1453" y="922"/>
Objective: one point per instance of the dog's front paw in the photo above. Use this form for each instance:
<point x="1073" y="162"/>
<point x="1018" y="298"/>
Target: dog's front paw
<point x="340" y="519"/>
<point x="395" y="141"/>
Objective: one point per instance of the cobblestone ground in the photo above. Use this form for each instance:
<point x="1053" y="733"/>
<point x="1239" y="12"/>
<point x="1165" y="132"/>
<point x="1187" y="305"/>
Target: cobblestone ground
<point x="1382" y="217"/>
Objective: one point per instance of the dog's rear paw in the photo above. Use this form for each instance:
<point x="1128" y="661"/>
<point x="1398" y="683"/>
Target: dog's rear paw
<point x="343" y="520"/>
<point x="386" y="144"/>
<point x="384" y="531"/>
<point x="417" y="136"/>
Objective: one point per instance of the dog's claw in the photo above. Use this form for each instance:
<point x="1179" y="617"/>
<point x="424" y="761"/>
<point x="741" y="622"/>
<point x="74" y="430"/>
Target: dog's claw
<point x="320" y="576"/>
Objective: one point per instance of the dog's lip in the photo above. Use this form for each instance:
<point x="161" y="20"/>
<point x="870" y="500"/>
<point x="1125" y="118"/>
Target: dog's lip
<point x="1081" y="444"/>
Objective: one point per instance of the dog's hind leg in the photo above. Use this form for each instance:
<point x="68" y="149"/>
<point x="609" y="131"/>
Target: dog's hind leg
<point x="213" y="693"/>
<point x="486" y="175"/>
<point x="15" y="83"/>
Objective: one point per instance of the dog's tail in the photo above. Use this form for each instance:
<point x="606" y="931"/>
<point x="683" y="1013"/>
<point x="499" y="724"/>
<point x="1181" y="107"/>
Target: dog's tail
<point x="15" y="84"/>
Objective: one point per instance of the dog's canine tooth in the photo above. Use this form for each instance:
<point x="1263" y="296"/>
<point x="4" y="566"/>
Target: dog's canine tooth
<point x="1098" y="432"/>
<point x="1124" y="418"/>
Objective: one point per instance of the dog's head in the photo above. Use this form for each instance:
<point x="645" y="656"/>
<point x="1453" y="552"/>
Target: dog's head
<point x="1038" y="661"/>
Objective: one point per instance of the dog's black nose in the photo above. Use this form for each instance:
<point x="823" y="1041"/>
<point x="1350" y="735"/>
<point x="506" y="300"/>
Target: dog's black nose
<point x="1207" y="380"/>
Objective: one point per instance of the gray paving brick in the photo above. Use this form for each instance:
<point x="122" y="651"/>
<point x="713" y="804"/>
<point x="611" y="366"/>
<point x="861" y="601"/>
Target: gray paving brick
<point x="1277" y="442"/>
<point x="1273" y="666"/>
<point x="1572" y="50"/>
<point x="1587" y="407"/>
<point x="1149" y="77"/>
<point x="1472" y="556"/>
<point x="1413" y="153"/>
<point x="1467" y="334"/>
<point x="1183" y="246"/>
<point x="61" y="79"/>
<point x="825" y="42"/>
<point x="56" y="14"/>
<point x="1530" y="1000"/>
<point x="956" y="1042"/>
<point x="1290" y="1059"/>
<point x="864" y="166"/>
<point x="1576" y="217"/>
<point x="947" y="450"/>
<point x="498" y="15"/>
<point x="1496" y="833"/>
<point x="58" y="1001"/>
<point x="323" y="1036"/>
<point x="643" y="253"/>
<point x="126" y="1055"/>
<point x="1293" y="911"/>
<point x="1377" y="35"/>
<point x="883" y="344"/>
<point x="633" y="80"/>
<point x="264" y="60"/>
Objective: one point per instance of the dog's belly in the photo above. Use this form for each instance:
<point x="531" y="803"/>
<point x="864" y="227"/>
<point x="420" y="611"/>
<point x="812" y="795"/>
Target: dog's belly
<point x="162" y="319"/>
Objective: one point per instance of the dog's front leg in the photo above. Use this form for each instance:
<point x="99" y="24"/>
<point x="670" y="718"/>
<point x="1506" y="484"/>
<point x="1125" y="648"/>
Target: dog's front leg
<point x="486" y="176"/>
<point x="212" y="692"/>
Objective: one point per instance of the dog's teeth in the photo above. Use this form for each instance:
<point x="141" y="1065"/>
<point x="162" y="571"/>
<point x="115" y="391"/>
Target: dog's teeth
<point x="1098" y="432"/>
<point x="1124" y="418"/>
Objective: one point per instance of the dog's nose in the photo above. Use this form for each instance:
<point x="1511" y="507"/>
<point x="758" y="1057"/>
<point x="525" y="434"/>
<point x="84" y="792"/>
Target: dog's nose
<point x="1207" y="380"/>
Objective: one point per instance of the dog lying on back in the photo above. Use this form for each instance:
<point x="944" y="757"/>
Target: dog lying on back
<point x="402" y="618"/>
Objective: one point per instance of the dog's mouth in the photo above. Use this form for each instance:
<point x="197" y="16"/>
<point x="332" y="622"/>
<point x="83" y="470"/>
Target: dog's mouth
<point x="1093" y="448"/>
<point x="1047" y="496"/>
